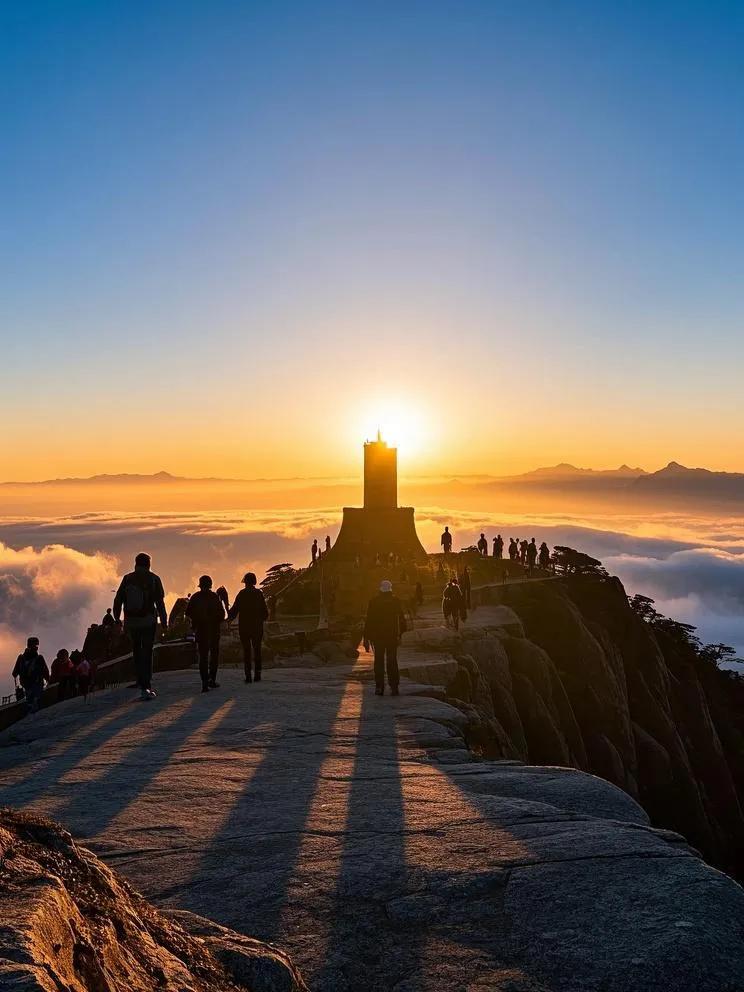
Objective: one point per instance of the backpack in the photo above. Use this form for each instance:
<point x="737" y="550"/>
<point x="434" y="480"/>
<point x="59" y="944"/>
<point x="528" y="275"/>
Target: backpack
<point x="139" y="596"/>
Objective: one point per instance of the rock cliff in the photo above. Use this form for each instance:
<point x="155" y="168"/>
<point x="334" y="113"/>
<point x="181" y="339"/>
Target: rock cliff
<point x="567" y="674"/>
<point x="70" y="923"/>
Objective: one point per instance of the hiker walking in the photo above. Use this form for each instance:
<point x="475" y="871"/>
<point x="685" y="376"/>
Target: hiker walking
<point x="383" y="628"/>
<point x="32" y="672"/>
<point x="453" y="604"/>
<point x="206" y="612"/>
<point x="142" y="598"/>
<point x="84" y="676"/>
<point x="250" y="609"/>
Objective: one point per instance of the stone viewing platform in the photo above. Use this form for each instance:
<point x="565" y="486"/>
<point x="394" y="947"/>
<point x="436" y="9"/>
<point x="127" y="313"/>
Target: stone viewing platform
<point x="363" y="836"/>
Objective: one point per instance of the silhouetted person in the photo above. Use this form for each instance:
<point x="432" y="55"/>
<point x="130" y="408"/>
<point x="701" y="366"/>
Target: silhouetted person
<point x="83" y="675"/>
<point x="108" y="620"/>
<point x="141" y="597"/>
<point x="544" y="556"/>
<point x="465" y="586"/>
<point x="513" y="549"/>
<point x="446" y="541"/>
<point x="498" y="546"/>
<point x="482" y="545"/>
<point x="452" y="603"/>
<point x="63" y="672"/>
<point x="31" y="671"/>
<point x="250" y="609"/>
<point x="531" y="556"/>
<point x="383" y="628"/>
<point x="206" y="612"/>
<point x="314" y="549"/>
<point x="523" y="551"/>
<point x="328" y="543"/>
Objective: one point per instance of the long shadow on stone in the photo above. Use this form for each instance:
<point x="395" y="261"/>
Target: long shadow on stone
<point x="87" y="741"/>
<point x="248" y="864"/>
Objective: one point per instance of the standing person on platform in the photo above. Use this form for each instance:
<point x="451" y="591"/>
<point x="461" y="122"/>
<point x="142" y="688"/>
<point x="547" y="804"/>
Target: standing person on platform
<point x="142" y="598"/>
<point x="531" y="556"/>
<point x="446" y="541"/>
<point x="206" y="612"/>
<point x="544" y="556"/>
<point x="523" y="551"/>
<point x="314" y="549"/>
<point x="250" y="609"/>
<point x="482" y="546"/>
<point x="328" y="543"/>
<point x="383" y="628"/>
<point x="513" y="550"/>
<point x="498" y="546"/>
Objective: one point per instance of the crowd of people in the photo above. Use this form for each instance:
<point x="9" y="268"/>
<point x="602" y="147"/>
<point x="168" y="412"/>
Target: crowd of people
<point x="140" y="601"/>
<point x="70" y="671"/>
<point x="523" y="551"/>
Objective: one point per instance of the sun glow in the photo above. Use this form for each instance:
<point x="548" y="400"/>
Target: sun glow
<point x="402" y="425"/>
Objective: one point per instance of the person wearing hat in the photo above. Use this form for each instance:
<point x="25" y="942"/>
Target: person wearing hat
<point x="141" y="596"/>
<point x="32" y="672"/>
<point x="206" y="613"/>
<point x="250" y="609"/>
<point x="383" y="628"/>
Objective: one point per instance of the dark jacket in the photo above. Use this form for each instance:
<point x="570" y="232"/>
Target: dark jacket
<point x="452" y="600"/>
<point x="153" y="594"/>
<point x="385" y="619"/>
<point x="250" y="609"/>
<point x="205" y="610"/>
<point x="31" y="668"/>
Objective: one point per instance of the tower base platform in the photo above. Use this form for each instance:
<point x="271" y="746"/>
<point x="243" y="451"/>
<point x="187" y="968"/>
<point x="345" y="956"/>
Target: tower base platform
<point x="367" y="532"/>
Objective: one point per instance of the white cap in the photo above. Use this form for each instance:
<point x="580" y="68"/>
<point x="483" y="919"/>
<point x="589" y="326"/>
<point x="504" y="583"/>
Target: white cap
<point x="386" y="586"/>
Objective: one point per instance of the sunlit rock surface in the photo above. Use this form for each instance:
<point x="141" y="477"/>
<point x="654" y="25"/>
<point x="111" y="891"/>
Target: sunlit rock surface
<point x="360" y="834"/>
<point x="70" y="924"/>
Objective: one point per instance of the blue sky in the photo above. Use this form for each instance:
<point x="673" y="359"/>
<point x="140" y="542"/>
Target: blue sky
<point x="248" y="220"/>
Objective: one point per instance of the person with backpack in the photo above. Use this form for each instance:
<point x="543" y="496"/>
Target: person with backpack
<point x="383" y="628"/>
<point x="142" y="598"/>
<point x="206" y="613"/>
<point x="250" y="609"/>
<point x="32" y="672"/>
<point x="453" y="603"/>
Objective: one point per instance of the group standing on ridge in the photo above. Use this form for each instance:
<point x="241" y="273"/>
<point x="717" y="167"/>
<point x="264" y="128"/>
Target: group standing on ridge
<point x="139" y="604"/>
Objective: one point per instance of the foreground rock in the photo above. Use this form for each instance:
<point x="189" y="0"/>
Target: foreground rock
<point x="360" y="834"/>
<point x="69" y="923"/>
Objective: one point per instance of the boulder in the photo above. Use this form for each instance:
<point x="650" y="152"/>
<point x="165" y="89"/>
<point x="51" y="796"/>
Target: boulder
<point x="70" y="923"/>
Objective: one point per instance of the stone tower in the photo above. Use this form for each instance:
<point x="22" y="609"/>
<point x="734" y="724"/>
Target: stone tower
<point x="380" y="526"/>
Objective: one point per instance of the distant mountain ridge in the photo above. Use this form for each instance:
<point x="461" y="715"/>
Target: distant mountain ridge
<point x="672" y="481"/>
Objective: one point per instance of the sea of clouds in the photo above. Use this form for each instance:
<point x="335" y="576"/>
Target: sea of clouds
<point x="58" y="574"/>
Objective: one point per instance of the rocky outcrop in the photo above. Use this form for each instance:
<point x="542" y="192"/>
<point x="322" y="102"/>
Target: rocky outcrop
<point x="590" y="685"/>
<point x="70" y="923"/>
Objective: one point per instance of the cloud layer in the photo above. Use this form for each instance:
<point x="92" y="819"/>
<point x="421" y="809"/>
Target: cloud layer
<point x="52" y="592"/>
<point x="58" y="574"/>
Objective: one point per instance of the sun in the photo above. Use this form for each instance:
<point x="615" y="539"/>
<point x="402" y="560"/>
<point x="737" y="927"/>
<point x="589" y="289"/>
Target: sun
<point x="401" y="424"/>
